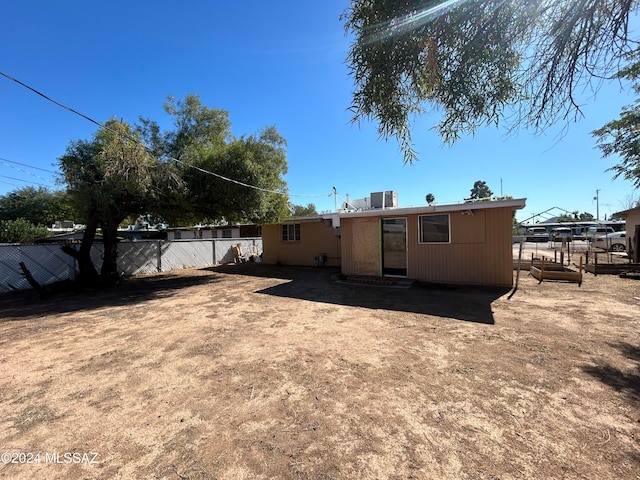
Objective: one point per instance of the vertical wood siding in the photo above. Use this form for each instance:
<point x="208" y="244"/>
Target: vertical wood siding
<point x="480" y="252"/>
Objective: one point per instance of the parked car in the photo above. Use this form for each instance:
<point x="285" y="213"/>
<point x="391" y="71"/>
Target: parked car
<point x="537" y="234"/>
<point x="597" y="231"/>
<point x="557" y="234"/>
<point x="612" y="242"/>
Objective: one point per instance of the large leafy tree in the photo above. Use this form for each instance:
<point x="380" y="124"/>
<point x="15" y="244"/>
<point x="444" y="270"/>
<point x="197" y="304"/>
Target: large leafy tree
<point x="479" y="62"/>
<point x="109" y="178"/>
<point x="39" y="206"/>
<point x="622" y="136"/>
<point x="223" y="176"/>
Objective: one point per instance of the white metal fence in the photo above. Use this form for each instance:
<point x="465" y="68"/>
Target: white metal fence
<point x="48" y="263"/>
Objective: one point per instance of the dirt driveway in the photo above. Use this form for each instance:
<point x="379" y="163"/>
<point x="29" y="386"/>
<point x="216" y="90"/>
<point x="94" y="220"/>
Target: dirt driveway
<point x="251" y="371"/>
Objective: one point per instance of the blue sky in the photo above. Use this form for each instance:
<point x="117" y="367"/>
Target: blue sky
<point x="268" y="63"/>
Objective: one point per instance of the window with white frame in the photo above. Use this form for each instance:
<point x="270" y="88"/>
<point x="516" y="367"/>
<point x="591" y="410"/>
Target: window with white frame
<point x="291" y="232"/>
<point x="434" y="228"/>
<point x="227" y="233"/>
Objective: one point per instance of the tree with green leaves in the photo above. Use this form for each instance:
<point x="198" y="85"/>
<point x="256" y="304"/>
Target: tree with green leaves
<point x="109" y="178"/>
<point x="480" y="191"/>
<point x="480" y="63"/>
<point x="223" y="177"/>
<point x="622" y="136"/>
<point x="20" y="230"/>
<point x="39" y="206"/>
<point x="303" y="211"/>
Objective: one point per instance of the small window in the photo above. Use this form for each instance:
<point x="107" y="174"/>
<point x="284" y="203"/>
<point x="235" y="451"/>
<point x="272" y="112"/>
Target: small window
<point x="177" y="235"/>
<point x="434" y="228"/>
<point x="291" y="232"/>
<point x="226" y="233"/>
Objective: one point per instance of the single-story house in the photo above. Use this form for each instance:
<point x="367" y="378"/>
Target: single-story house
<point x="467" y="243"/>
<point x="632" y="227"/>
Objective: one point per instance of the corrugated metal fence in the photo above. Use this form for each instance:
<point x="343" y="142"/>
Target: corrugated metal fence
<point x="48" y="263"/>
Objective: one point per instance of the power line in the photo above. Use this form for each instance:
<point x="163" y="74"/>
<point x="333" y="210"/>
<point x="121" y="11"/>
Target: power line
<point x="27" y="181"/>
<point x="23" y="171"/>
<point x="135" y="140"/>
<point x="26" y="165"/>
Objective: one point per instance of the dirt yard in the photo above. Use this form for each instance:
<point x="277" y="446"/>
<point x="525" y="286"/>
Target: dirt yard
<point x="258" y="372"/>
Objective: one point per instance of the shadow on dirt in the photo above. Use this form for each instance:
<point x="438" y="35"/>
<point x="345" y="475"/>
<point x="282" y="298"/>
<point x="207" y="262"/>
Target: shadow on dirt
<point x="28" y="303"/>
<point x="320" y="285"/>
<point x="624" y="381"/>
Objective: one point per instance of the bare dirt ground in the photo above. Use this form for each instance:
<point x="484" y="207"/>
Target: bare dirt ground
<point x="251" y="371"/>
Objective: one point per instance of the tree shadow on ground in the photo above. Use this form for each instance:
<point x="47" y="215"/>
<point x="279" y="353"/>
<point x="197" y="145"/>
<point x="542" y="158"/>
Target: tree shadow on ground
<point x="470" y="304"/>
<point x="624" y="381"/>
<point x="74" y="298"/>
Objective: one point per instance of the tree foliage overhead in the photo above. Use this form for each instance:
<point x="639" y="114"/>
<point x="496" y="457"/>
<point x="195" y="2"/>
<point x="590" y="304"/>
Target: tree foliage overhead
<point x="478" y="62"/>
<point x="622" y="136"/>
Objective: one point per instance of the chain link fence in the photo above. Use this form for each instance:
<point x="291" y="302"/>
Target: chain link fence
<point x="48" y="263"/>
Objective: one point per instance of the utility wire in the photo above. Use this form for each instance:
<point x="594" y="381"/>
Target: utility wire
<point x="23" y="171"/>
<point x="135" y="140"/>
<point x="27" y="181"/>
<point x="26" y="165"/>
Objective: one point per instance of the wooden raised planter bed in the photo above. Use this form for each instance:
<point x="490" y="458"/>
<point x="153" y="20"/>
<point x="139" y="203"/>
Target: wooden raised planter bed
<point x="611" y="268"/>
<point x="565" y="275"/>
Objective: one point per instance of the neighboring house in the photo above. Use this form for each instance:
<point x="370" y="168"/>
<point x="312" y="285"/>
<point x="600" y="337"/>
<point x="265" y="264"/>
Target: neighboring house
<point x="226" y="231"/>
<point x="302" y="241"/>
<point x="632" y="227"/>
<point x="469" y="243"/>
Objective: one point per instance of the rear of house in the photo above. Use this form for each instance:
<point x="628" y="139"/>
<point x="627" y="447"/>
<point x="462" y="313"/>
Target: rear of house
<point x="467" y="243"/>
<point x="303" y="241"/>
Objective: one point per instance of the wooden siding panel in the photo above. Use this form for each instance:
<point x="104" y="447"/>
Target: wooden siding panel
<point x="467" y="259"/>
<point x="365" y="240"/>
<point x="360" y="246"/>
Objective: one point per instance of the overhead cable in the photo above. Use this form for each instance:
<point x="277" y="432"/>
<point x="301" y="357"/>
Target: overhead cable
<point x="137" y="141"/>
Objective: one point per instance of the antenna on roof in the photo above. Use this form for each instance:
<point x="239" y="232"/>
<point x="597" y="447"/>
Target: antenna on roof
<point x="335" y="199"/>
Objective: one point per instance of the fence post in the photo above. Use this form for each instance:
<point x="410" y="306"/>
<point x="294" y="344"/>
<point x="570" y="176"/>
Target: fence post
<point x="213" y="250"/>
<point x="159" y="260"/>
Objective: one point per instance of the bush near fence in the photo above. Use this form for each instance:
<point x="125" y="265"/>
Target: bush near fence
<point x="48" y="263"/>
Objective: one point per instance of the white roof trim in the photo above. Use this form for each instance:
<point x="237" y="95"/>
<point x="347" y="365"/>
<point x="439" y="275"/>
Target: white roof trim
<point x="426" y="209"/>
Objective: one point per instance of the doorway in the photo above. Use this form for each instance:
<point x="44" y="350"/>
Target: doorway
<point x="394" y="247"/>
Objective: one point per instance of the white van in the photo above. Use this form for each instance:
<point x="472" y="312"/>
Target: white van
<point x="596" y="231"/>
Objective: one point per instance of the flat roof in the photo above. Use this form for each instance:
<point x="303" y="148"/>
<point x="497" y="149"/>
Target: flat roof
<point x="425" y="209"/>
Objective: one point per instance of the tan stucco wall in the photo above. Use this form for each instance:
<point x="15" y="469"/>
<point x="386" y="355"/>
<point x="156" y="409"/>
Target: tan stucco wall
<point x="315" y="237"/>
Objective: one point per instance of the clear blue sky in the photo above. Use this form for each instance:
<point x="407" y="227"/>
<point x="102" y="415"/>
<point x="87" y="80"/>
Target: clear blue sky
<point x="267" y="63"/>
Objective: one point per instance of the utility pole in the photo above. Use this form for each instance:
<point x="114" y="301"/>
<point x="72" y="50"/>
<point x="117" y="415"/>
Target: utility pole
<point x="335" y="199"/>
<point x="597" y="199"/>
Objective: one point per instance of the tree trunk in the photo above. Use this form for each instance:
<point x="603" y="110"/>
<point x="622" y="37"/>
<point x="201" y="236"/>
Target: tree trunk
<point x="86" y="270"/>
<point x="109" y="271"/>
